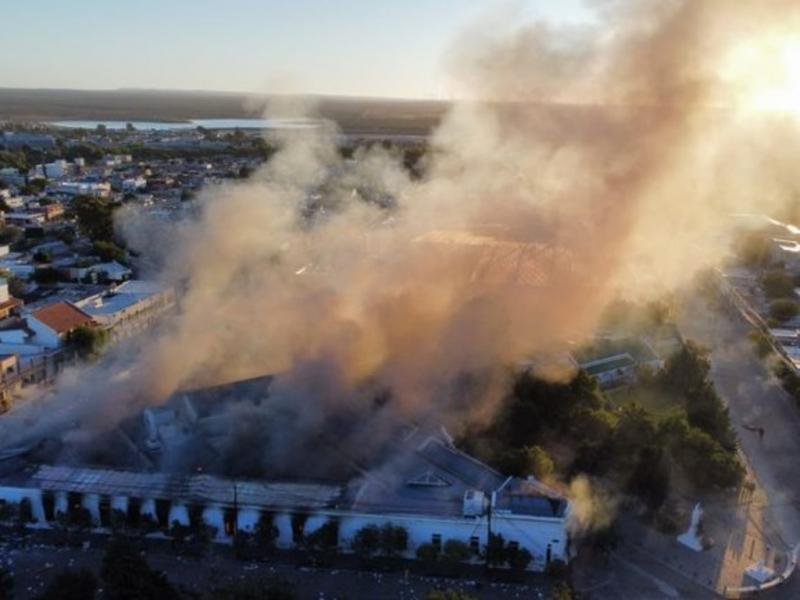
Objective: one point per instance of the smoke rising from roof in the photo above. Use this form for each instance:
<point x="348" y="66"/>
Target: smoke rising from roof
<point x="349" y="278"/>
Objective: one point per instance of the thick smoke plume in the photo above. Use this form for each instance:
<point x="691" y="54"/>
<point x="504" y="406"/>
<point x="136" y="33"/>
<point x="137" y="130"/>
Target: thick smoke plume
<point x="584" y="163"/>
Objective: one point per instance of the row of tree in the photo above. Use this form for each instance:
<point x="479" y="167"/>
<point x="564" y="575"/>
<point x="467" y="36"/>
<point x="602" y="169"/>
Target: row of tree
<point x="631" y="446"/>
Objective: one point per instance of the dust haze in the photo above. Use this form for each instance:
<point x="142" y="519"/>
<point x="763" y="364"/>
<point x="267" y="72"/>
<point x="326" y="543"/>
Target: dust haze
<point x="583" y="164"/>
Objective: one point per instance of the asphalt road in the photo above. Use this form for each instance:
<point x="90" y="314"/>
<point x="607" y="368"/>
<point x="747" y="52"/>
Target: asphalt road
<point x="34" y="562"/>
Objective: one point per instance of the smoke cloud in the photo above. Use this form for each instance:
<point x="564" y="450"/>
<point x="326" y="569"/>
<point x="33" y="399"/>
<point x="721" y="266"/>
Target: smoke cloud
<point x="583" y="164"/>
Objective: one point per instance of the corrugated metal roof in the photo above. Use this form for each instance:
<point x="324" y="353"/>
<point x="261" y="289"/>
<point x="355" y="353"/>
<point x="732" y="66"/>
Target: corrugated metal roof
<point x="202" y="489"/>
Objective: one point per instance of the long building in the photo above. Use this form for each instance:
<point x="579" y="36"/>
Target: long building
<point x="422" y="483"/>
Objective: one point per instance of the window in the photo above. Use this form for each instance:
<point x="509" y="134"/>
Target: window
<point x="436" y="540"/>
<point x="475" y="544"/>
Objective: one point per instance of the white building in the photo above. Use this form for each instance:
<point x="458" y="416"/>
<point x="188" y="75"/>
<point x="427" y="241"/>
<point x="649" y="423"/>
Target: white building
<point x="129" y="307"/>
<point x="51" y="324"/>
<point x="53" y="170"/>
<point x="82" y="188"/>
<point x="429" y="488"/>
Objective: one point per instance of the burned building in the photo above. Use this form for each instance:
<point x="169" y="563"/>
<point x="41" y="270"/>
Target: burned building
<point x="186" y="464"/>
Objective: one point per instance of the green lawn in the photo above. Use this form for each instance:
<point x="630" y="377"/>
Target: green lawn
<point x="658" y="403"/>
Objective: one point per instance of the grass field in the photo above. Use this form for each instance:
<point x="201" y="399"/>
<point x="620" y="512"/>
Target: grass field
<point x="659" y="403"/>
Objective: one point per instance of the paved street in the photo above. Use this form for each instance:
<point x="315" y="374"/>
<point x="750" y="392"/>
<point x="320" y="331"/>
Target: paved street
<point x="34" y="562"/>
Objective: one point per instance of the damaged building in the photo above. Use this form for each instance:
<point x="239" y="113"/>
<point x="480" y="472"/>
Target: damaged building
<point x="176" y="464"/>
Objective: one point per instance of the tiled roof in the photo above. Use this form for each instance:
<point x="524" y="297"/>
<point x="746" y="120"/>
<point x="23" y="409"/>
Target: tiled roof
<point x="62" y="317"/>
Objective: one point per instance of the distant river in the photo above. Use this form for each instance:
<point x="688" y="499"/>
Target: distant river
<point x="207" y="123"/>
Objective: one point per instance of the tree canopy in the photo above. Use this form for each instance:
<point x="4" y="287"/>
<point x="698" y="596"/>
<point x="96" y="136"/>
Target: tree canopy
<point x="95" y="217"/>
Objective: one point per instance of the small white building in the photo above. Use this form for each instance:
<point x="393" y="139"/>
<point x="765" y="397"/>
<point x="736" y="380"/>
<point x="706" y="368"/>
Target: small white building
<point x="51" y="324"/>
<point x="129" y="307"/>
<point x="82" y="188"/>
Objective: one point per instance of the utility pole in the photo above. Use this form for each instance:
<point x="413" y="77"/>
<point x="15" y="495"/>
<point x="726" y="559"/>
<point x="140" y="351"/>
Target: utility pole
<point x="489" y="548"/>
<point x="235" y="512"/>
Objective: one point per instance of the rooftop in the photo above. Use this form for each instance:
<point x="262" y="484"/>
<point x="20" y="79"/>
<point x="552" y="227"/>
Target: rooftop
<point x="199" y="489"/>
<point x="62" y="317"/>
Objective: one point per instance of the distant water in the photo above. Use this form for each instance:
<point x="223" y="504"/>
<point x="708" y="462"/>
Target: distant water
<point x="207" y="123"/>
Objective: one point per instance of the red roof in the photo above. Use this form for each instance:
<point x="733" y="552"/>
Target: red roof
<point x="62" y="317"/>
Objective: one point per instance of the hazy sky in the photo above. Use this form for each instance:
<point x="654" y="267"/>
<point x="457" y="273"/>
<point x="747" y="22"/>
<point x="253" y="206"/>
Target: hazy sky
<point x="355" y="47"/>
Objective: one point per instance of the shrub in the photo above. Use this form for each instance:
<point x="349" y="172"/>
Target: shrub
<point x="783" y="309"/>
<point x="25" y="512"/>
<point x="367" y="541"/>
<point x="539" y="462"/>
<point x="517" y="557"/>
<point x="265" y="532"/>
<point x="324" y="538"/>
<point x="393" y="540"/>
<point x="777" y="284"/>
<point x="455" y="552"/>
<point x="428" y="553"/>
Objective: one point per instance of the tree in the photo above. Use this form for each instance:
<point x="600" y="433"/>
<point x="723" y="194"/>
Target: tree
<point x="754" y="250"/>
<point x="41" y="256"/>
<point x="707" y="464"/>
<point x="539" y="461"/>
<point x="635" y="430"/>
<point x="6" y="584"/>
<point x="87" y="341"/>
<point x="367" y="541"/>
<point x="651" y="477"/>
<point x="129" y="127"/>
<point x="593" y="426"/>
<point x="783" y="309"/>
<point x="9" y="234"/>
<point x="108" y="251"/>
<point x="686" y="370"/>
<point x="95" y="217"/>
<point x="71" y="585"/>
<point x="777" y="284"/>
<point x="127" y="576"/>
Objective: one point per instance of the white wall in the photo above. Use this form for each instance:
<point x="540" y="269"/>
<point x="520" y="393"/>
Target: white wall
<point x="44" y="335"/>
<point x="531" y="533"/>
<point x="16" y="495"/>
<point x="283" y="523"/>
<point x="247" y="519"/>
<point x="214" y="516"/>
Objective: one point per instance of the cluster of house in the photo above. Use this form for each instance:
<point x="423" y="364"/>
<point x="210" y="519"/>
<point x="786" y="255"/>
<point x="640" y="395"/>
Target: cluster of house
<point x="419" y="481"/>
<point x="35" y="339"/>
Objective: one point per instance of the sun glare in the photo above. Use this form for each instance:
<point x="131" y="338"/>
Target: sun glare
<point x="765" y="76"/>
